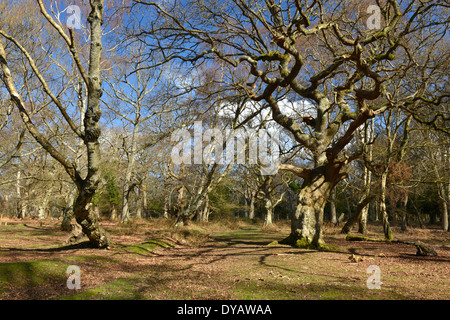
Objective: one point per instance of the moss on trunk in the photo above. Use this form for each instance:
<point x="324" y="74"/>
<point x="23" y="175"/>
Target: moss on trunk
<point x="362" y="238"/>
<point x="298" y="241"/>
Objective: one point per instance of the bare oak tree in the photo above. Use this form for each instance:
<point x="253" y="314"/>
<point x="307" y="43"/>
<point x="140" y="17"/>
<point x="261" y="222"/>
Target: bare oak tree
<point x="323" y="52"/>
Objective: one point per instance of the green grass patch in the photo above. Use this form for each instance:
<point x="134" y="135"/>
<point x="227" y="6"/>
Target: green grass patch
<point x="30" y="273"/>
<point x="249" y="233"/>
<point x="262" y="290"/>
<point x="121" y="289"/>
<point x="147" y="247"/>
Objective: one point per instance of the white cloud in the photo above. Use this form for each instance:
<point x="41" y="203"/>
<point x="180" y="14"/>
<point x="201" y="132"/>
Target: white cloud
<point x="291" y="109"/>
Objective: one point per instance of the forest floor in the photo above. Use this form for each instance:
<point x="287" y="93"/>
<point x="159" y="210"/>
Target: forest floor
<point x="232" y="260"/>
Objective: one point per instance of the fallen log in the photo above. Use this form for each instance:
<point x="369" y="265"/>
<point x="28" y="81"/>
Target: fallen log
<point x="362" y="238"/>
<point x="423" y="249"/>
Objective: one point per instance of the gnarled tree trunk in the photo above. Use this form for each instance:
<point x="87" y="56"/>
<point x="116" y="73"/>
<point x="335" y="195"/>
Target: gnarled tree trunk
<point x="307" y="221"/>
<point x="86" y="217"/>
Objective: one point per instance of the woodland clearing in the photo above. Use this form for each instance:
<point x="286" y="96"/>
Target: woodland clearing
<point x="232" y="260"/>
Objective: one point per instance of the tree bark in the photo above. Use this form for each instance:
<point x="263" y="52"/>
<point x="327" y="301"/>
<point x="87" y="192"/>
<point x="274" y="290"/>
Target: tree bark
<point x="443" y="195"/>
<point x="206" y="209"/>
<point x="125" y="217"/>
<point x="333" y="207"/>
<point x="42" y="209"/>
<point x="181" y="200"/>
<point x="443" y="205"/>
<point x="144" y="199"/>
<point x="68" y="210"/>
<point x="404" y="213"/>
<point x="367" y="139"/>
<point x="139" y="205"/>
<point x="307" y="221"/>
<point x="86" y="216"/>
<point x="113" y="215"/>
<point x="128" y="186"/>
<point x="166" y="206"/>
<point x="363" y="212"/>
<point x="363" y="204"/>
<point x="203" y="212"/>
<point x="386" y="227"/>
<point x="251" y="211"/>
<point x="191" y="208"/>
<point x="448" y="206"/>
<point x="349" y="209"/>
<point x="268" y="218"/>
<point x="21" y="204"/>
<point x="270" y="205"/>
<point x="362" y="225"/>
<point x="377" y="209"/>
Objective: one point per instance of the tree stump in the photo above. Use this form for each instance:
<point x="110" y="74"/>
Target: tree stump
<point x="424" y="250"/>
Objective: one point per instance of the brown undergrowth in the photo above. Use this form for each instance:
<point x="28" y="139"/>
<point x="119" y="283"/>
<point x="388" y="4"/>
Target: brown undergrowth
<point x="218" y="260"/>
